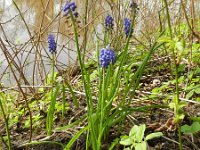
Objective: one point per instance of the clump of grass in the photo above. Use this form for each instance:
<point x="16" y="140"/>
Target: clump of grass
<point x="103" y="117"/>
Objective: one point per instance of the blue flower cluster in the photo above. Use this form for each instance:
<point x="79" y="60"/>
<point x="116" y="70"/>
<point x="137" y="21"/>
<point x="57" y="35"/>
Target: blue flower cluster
<point x="109" y="22"/>
<point x="70" y="7"/>
<point x="107" y="56"/>
<point x="52" y="44"/>
<point x="127" y="27"/>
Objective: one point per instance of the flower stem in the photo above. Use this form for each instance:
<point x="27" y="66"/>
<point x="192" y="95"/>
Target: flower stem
<point x="176" y="100"/>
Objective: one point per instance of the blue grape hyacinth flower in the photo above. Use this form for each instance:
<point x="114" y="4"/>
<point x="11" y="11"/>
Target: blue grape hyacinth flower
<point x="127" y="27"/>
<point x="70" y="7"/>
<point x="107" y="56"/>
<point x="52" y="44"/>
<point x="109" y="22"/>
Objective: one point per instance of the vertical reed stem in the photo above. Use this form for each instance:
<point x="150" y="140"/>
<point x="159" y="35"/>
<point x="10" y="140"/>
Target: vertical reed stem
<point x="6" y="124"/>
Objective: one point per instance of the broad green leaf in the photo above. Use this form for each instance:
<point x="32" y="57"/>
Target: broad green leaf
<point x="197" y="70"/>
<point x="192" y="86"/>
<point x="172" y="105"/>
<point x="133" y="131"/>
<point x="126" y="141"/>
<point x="137" y="132"/>
<point x="140" y="132"/>
<point x="190" y="94"/>
<point x="153" y="135"/>
<point x="195" y="127"/>
<point x="180" y="117"/>
<point x="195" y="119"/>
<point x="198" y="99"/>
<point x="186" y="129"/>
<point x="181" y="104"/>
<point x="197" y="90"/>
<point x="141" y="146"/>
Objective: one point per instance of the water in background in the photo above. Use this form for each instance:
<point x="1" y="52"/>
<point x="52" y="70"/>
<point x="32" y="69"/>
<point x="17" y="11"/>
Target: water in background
<point x="19" y="36"/>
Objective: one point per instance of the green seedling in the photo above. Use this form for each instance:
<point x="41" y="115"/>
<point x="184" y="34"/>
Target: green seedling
<point x="136" y="138"/>
<point x="194" y="128"/>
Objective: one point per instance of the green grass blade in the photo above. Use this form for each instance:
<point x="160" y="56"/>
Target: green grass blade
<point x="73" y="95"/>
<point x="51" y="110"/>
<point x="63" y="100"/>
<point x="75" y="137"/>
<point x="64" y="128"/>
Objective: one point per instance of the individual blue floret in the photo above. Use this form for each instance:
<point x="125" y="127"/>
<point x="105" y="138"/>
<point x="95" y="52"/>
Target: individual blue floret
<point x="75" y="14"/>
